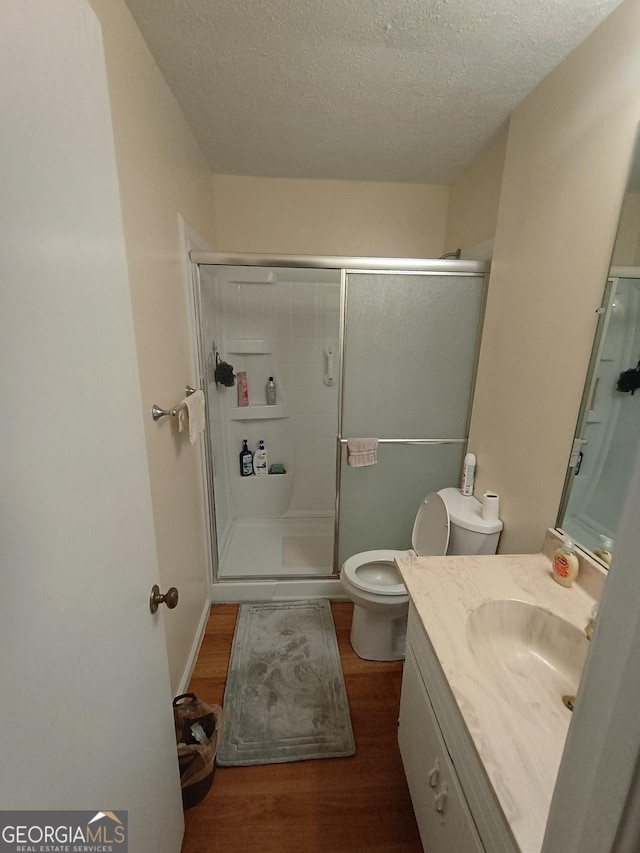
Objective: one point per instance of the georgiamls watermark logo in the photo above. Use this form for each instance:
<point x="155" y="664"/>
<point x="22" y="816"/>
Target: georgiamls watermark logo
<point x="63" y="832"/>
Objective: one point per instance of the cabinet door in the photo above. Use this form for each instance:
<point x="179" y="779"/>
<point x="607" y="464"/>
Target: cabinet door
<point x="443" y="816"/>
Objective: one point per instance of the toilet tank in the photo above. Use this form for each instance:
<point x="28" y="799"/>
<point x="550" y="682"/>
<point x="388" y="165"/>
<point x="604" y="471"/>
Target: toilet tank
<point x="470" y="533"/>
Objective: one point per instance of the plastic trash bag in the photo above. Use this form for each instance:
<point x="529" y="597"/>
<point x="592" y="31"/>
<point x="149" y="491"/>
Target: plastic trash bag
<point x="197" y="730"/>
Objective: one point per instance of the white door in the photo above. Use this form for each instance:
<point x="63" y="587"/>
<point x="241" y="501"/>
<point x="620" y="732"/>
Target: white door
<point x="85" y="704"/>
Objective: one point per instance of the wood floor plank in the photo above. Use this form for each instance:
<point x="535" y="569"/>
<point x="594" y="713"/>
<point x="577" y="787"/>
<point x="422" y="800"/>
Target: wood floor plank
<point x="338" y="805"/>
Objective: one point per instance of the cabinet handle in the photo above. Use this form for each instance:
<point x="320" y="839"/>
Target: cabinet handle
<point x="440" y="799"/>
<point x="434" y="774"/>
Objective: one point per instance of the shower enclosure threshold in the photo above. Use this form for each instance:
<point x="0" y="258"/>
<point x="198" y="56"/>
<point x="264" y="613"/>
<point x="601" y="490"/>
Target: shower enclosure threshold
<point x="256" y="590"/>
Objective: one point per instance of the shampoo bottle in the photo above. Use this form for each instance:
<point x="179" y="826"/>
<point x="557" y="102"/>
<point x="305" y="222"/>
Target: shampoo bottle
<point x="271" y="392"/>
<point x="565" y="563"/>
<point x="243" y="388"/>
<point x="246" y="460"/>
<point x="468" y="474"/>
<point x="260" y="460"/>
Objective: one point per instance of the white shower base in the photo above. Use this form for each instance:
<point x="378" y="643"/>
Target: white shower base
<point x="278" y="548"/>
<point x="283" y="589"/>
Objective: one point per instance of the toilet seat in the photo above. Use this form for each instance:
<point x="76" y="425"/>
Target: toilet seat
<point x="429" y="537"/>
<point x="361" y="571"/>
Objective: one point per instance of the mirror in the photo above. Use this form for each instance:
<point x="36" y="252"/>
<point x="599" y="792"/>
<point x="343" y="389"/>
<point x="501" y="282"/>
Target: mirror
<point x="608" y="430"/>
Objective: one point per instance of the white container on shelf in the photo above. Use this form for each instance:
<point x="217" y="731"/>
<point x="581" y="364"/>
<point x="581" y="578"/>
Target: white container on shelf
<point x="260" y="463"/>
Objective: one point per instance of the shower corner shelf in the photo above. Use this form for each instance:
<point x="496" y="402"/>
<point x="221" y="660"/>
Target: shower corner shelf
<point x="249" y="346"/>
<point x="263" y="412"/>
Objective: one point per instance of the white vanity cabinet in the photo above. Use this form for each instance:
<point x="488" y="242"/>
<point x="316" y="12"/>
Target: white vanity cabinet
<point x="454" y="803"/>
<point x="444" y="820"/>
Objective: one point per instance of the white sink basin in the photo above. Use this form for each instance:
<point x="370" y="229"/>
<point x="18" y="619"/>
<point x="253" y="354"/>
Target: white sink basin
<point x="529" y="654"/>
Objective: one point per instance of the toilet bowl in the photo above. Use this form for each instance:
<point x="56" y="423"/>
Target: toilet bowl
<point x="446" y="523"/>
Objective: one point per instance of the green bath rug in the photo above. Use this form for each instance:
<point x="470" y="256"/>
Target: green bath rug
<point x="285" y="698"/>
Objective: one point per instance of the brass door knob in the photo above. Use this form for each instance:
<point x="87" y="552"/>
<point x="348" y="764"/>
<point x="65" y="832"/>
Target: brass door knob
<point x="170" y="598"/>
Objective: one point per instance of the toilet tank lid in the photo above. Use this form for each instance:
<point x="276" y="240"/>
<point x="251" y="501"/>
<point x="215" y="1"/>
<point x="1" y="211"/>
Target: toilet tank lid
<point x="466" y="512"/>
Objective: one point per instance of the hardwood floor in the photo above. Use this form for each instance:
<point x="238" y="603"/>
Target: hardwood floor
<point x="360" y="803"/>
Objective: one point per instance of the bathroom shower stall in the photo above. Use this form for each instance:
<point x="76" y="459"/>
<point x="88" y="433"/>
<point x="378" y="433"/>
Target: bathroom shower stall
<point x="373" y="348"/>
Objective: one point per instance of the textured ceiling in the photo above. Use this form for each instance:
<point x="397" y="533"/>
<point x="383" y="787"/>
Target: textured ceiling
<point x="379" y="90"/>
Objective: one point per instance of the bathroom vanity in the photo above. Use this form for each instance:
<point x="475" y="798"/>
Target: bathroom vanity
<point x="493" y="646"/>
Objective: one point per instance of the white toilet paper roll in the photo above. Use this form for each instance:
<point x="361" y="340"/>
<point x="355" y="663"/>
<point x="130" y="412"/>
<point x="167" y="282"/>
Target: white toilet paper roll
<point x="490" y="506"/>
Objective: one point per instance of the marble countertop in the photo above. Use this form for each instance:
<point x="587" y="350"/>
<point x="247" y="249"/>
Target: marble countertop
<point x="519" y="741"/>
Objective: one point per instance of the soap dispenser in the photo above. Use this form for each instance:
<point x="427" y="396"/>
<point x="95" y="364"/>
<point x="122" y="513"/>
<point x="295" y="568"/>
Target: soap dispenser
<point x="565" y="563"/>
<point x="605" y="549"/>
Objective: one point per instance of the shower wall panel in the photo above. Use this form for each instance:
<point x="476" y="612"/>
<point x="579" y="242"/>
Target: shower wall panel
<point x="308" y="321"/>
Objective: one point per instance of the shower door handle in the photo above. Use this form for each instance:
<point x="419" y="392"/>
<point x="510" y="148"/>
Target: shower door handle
<point x="329" y="378"/>
<point x="440" y="799"/>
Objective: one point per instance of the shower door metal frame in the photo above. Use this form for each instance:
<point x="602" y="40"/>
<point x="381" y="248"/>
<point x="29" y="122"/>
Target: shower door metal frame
<point x="346" y="265"/>
<point x="604" y="317"/>
<point x="196" y="286"/>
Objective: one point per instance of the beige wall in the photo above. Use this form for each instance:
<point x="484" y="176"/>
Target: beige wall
<point x="568" y="152"/>
<point x="317" y="217"/>
<point x="627" y="248"/>
<point x="162" y="173"/>
<point x="474" y="196"/>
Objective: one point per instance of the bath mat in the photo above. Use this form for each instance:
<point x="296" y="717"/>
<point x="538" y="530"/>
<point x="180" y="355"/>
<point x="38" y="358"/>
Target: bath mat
<point x="305" y="551"/>
<point x="285" y="698"/>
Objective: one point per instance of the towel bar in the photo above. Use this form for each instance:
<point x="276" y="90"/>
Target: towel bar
<point x="157" y="412"/>
<point x="416" y="440"/>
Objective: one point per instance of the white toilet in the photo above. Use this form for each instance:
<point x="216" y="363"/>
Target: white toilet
<point x="446" y="523"/>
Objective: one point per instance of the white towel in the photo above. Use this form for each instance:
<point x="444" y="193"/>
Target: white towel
<point x="362" y="452"/>
<point x="193" y="412"/>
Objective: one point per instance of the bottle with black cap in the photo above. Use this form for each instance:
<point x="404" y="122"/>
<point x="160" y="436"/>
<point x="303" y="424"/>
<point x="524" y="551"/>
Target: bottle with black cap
<point x="246" y="460"/>
<point x="271" y="392"/>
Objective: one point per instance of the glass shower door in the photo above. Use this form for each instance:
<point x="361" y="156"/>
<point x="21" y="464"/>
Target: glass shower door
<point x="410" y="350"/>
<point x="606" y="439"/>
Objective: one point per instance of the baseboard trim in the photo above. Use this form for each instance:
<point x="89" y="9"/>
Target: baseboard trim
<point x="195" y="649"/>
